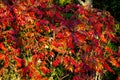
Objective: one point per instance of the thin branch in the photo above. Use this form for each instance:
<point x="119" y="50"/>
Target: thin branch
<point x="87" y="3"/>
<point x="65" y="76"/>
<point x="81" y="2"/>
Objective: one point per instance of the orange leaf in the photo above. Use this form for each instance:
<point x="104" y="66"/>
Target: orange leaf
<point x="51" y="54"/>
<point x="87" y="48"/>
<point x="76" y="70"/>
<point x="103" y="39"/>
<point x="114" y="62"/>
<point x="41" y="39"/>
<point x="70" y="68"/>
<point x="81" y="27"/>
<point x="118" y="78"/>
<point x="109" y="50"/>
<point x="59" y="50"/>
<point x="43" y="63"/>
<point x="2" y="56"/>
<point x="3" y="47"/>
<point x="99" y="67"/>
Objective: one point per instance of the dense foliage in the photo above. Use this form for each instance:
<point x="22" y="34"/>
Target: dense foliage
<point x="113" y="6"/>
<point x="43" y="41"/>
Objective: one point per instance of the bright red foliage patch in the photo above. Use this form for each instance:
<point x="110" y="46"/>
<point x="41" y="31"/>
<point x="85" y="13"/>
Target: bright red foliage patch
<point x="39" y="37"/>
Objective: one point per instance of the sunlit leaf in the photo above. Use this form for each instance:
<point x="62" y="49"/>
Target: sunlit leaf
<point x="2" y="56"/>
<point x="3" y="47"/>
<point x="103" y="39"/>
<point x="114" y="62"/>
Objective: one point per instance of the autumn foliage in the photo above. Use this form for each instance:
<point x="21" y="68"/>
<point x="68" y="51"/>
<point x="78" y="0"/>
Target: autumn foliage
<point x="43" y="41"/>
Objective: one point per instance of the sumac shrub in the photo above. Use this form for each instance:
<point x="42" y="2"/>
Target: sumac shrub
<point x="43" y="41"/>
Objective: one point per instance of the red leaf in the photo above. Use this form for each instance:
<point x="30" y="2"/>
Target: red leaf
<point x="32" y="1"/>
<point x="31" y="73"/>
<point x="50" y="13"/>
<point x="44" y="69"/>
<point x="70" y="42"/>
<point x="60" y="35"/>
<point x="46" y="28"/>
<point x="41" y="56"/>
<point x="80" y="37"/>
<point x="99" y="51"/>
<point x="6" y="63"/>
<point x="65" y="60"/>
<point x="43" y="5"/>
<point x="32" y="14"/>
<point x="73" y="62"/>
<point x="52" y="27"/>
<point x="56" y="62"/>
<point x="11" y="32"/>
<point x="106" y="66"/>
<point x="25" y="70"/>
<point x="67" y="8"/>
<point x="93" y="20"/>
<point x="59" y="16"/>
<point x="98" y="29"/>
<point x="41" y="22"/>
<point x="19" y="62"/>
<point x="109" y="50"/>
<point x="112" y="37"/>
<point x="76" y="78"/>
<point x="77" y="70"/>
<point x="118" y="78"/>
<point x="57" y="44"/>
<point x="13" y="1"/>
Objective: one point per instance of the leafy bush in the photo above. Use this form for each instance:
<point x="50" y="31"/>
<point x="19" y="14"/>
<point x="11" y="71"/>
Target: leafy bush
<point x="43" y="41"/>
<point x="109" y="75"/>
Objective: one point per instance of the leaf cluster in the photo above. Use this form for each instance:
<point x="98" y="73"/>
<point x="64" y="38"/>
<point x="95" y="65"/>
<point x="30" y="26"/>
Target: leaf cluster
<point x="44" y="41"/>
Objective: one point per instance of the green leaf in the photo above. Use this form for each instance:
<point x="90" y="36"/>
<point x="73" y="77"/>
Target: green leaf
<point x="64" y="2"/>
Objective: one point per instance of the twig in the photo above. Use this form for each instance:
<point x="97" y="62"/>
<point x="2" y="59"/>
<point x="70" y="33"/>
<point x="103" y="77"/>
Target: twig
<point x="81" y="2"/>
<point x="64" y="76"/>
